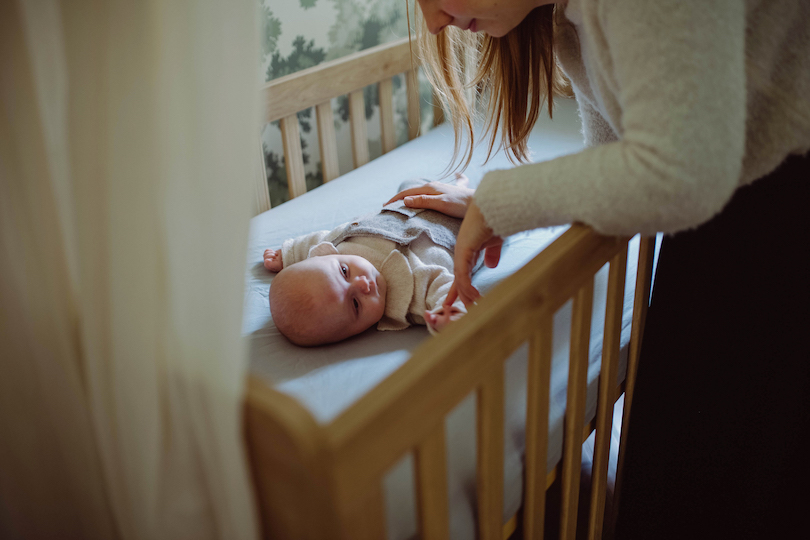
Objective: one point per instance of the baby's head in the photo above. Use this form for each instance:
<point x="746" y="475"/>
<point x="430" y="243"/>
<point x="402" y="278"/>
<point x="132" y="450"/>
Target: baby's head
<point x="327" y="298"/>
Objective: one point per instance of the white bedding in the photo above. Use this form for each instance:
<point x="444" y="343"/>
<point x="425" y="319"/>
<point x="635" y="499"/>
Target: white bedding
<point x="329" y="379"/>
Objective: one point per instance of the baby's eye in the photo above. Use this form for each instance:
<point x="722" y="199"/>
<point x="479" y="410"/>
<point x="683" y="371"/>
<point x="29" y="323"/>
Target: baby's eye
<point x="356" y="305"/>
<point x="344" y="269"/>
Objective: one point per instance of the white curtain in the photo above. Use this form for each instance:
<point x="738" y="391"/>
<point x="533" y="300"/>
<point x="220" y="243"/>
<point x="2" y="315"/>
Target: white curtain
<point x="128" y="131"/>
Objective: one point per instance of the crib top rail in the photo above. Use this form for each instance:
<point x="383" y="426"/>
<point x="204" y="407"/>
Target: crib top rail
<point x="316" y="86"/>
<point x="295" y="92"/>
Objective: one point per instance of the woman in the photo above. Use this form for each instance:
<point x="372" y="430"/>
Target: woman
<point x="684" y="104"/>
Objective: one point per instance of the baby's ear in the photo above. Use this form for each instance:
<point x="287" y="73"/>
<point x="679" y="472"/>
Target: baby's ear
<point x="324" y="248"/>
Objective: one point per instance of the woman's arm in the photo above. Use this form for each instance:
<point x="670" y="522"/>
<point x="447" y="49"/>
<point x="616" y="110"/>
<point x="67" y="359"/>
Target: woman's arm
<point x="677" y="68"/>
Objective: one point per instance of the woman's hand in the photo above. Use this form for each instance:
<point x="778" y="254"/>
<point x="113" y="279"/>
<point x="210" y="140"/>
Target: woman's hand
<point x="473" y="236"/>
<point x="450" y="199"/>
<point x="439" y="318"/>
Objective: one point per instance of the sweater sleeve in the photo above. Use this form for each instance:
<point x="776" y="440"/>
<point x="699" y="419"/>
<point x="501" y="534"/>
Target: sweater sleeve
<point x="297" y="249"/>
<point x="677" y="69"/>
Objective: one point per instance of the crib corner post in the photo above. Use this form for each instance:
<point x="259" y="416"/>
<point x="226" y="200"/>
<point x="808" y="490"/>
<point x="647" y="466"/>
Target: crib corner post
<point x="288" y="459"/>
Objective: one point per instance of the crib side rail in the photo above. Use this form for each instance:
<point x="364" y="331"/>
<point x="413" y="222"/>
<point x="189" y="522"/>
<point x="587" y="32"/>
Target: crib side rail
<point x="335" y="472"/>
<point x="406" y="412"/>
<point x="316" y="86"/>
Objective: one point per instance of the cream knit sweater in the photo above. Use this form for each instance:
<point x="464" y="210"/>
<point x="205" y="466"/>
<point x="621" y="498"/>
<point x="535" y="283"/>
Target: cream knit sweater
<point x="682" y="102"/>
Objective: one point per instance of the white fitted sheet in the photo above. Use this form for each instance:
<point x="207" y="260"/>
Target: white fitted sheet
<point x="326" y="380"/>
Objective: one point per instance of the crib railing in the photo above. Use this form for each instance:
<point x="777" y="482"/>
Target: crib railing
<point x="316" y="86"/>
<point x="325" y="481"/>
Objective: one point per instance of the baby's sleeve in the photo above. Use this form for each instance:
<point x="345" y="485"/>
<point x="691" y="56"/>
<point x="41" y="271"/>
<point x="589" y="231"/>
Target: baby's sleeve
<point x="297" y="249"/>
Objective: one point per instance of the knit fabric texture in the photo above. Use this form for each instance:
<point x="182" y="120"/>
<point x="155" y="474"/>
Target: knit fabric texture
<point x="682" y="102"/>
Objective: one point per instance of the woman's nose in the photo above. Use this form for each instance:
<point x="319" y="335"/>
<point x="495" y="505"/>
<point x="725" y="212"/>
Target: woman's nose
<point x="435" y="18"/>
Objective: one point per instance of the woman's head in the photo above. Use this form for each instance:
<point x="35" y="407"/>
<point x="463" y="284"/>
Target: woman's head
<point x="495" y="18"/>
<point x="508" y="63"/>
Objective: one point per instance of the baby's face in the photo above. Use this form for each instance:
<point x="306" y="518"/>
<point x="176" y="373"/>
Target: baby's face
<point x="349" y="294"/>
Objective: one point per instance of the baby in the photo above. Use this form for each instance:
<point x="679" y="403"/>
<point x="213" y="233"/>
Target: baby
<point x="393" y="268"/>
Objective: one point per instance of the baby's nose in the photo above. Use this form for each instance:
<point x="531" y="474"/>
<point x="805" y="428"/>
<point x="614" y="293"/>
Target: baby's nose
<point x="365" y="284"/>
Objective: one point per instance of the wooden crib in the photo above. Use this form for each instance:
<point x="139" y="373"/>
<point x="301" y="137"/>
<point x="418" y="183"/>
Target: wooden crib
<point x="324" y="480"/>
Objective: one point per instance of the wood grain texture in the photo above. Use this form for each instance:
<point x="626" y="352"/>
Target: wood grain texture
<point x="293" y="156"/>
<point x="539" y="373"/>
<point x="432" y="502"/>
<point x="292" y="93"/>
<point x="327" y="141"/>
<point x="287" y="454"/>
<point x="364" y="518"/>
<point x="489" y="472"/>
<point x="646" y="254"/>
<point x="414" y="117"/>
<point x="388" y="136"/>
<point x="262" y="191"/>
<point x="357" y="120"/>
<point x="575" y="408"/>
<point x="607" y="387"/>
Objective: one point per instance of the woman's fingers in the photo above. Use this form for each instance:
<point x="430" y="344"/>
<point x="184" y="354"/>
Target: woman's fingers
<point x="492" y="255"/>
<point x="449" y="199"/>
<point x="452" y="296"/>
<point x="419" y="190"/>
<point x="473" y="236"/>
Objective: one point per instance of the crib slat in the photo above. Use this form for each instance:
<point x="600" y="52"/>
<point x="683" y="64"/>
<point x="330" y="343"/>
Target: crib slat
<point x="412" y="86"/>
<point x="537" y="430"/>
<point x="607" y="389"/>
<point x="431" y="487"/>
<point x="293" y="156"/>
<point x="388" y="136"/>
<point x="489" y="473"/>
<point x="262" y="191"/>
<point x="575" y="408"/>
<point x="327" y="141"/>
<point x="646" y="254"/>
<point x="357" y="119"/>
<point x="365" y="519"/>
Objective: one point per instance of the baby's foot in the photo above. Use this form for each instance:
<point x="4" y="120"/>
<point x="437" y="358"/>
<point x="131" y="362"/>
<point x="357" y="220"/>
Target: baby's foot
<point x="439" y="318"/>
<point x="272" y="260"/>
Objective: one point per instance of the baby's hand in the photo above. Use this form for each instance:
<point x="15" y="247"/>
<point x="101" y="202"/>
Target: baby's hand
<point x="441" y="317"/>
<point x="272" y="260"/>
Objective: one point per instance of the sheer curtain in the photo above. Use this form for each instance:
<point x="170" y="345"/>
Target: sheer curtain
<point x="127" y="137"/>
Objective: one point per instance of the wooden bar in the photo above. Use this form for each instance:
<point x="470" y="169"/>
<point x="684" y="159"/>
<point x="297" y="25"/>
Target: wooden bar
<point x="539" y="373"/>
<point x="366" y="518"/>
<point x="489" y="473"/>
<point x="289" y="94"/>
<point x="607" y="387"/>
<point x="327" y="141"/>
<point x="394" y="414"/>
<point x="262" y="191"/>
<point x="646" y="253"/>
<point x="293" y="156"/>
<point x="412" y="86"/>
<point x="388" y="136"/>
<point x="575" y="408"/>
<point x="357" y="119"/>
<point x="432" y="503"/>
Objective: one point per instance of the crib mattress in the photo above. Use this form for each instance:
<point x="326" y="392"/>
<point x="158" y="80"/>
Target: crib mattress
<point x="327" y="380"/>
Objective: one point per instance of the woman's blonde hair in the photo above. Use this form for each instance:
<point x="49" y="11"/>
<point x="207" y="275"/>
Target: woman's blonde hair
<point x="504" y="79"/>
